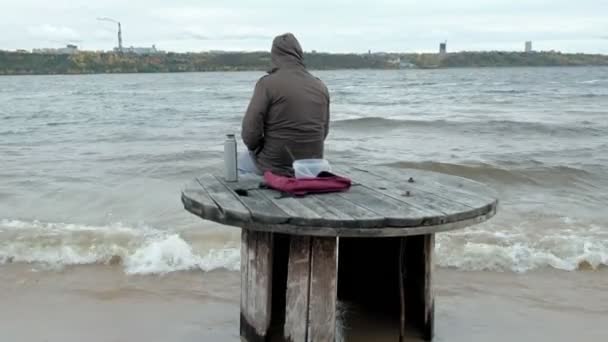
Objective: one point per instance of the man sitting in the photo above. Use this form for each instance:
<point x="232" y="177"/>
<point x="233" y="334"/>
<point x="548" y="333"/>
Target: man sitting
<point x="288" y="116"/>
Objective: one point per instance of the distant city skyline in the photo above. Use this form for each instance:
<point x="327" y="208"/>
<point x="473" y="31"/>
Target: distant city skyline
<point x="329" y="26"/>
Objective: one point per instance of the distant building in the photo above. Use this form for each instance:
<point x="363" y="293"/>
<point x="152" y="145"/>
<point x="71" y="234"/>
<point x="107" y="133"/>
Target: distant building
<point x="443" y="48"/>
<point x="396" y="61"/>
<point x="528" y="46"/>
<point x="68" y="50"/>
<point x="140" y="50"/>
<point x="406" y="64"/>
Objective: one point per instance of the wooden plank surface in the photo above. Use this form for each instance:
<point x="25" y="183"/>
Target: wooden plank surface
<point x="298" y="289"/>
<point x="197" y="201"/>
<point x="300" y="214"/>
<point x="323" y="289"/>
<point x="348" y="210"/>
<point x="380" y="203"/>
<point x="384" y="231"/>
<point x="454" y="182"/>
<point x="262" y="209"/>
<point x="230" y="206"/>
<point x="450" y="188"/>
<point x="443" y="210"/>
<point x="384" y="183"/>
<point x="395" y="212"/>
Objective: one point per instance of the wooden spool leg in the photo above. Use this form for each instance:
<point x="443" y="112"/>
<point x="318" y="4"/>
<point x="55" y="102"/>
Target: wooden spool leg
<point x="298" y="287"/>
<point x="429" y="294"/>
<point x="256" y="285"/>
<point x="323" y="290"/>
<point x="419" y="298"/>
<point x="311" y="290"/>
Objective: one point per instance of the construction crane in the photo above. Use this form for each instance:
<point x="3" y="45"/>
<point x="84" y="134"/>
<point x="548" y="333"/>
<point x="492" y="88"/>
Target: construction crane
<point x="119" y="30"/>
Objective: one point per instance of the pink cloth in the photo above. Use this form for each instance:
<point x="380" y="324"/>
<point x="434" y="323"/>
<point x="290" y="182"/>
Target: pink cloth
<point x="301" y="187"/>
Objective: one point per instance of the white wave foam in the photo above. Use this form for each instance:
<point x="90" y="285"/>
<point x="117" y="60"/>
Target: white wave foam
<point x="483" y="250"/>
<point x="144" y="250"/>
<point x="590" y="81"/>
<point x="172" y="253"/>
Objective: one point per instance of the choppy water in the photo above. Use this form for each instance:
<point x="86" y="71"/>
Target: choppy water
<point x="92" y="166"/>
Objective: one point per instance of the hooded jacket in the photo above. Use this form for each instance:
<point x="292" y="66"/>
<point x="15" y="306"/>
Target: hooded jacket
<point x="288" y="115"/>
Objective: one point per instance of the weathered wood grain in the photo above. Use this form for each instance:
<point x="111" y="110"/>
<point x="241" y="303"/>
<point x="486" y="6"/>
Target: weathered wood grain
<point x="395" y="212"/>
<point x="323" y="289"/>
<point x="249" y="312"/>
<point x="256" y="285"/>
<point x="311" y="211"/>
<point x="367" y="232"/>
<point x="262" y="209"/>
<point x="401" y="272"/>
<point x="401" y="189"/>
<point x="263" y="283"/>
<point x="348" y="210"/>
<point x="197" y="201"/>
<point x="444" y="210"/>
<point x="429" y="294"/>
<point x="464" y="184"/>
<point x="230" y="207"/>
<point x="299" y="213"/>
<point x="244" y="267"/>
<point x="298" y="289"/>
<point x="417" y="256"/>
<point x="244" y="326"/>
<point x="377" y="205"/>
<point x="451" y="188"/>
<point x="381" y="203"/>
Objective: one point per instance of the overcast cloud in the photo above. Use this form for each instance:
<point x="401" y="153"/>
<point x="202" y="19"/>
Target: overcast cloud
<point x="323" y="25"/>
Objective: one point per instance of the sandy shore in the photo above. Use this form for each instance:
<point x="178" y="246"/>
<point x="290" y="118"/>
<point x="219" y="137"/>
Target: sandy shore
<point x="101" y="304"/>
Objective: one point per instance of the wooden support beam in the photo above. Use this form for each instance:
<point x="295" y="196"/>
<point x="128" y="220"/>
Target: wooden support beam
<point x="428" y="330"/>
<point x="418" y="284"/>
<point x="256" y="285"/>
<point x="323" y="290"/>
<point x="244" y="273"/>
<point x="298" y="289"/>
<point x="311" y="290"/>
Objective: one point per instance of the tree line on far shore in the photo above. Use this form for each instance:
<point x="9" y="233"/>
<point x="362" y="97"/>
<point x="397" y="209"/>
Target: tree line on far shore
<point x="84" y="62"/>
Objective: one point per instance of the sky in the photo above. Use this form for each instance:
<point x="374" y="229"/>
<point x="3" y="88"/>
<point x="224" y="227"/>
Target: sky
<point x="322" y="25"/>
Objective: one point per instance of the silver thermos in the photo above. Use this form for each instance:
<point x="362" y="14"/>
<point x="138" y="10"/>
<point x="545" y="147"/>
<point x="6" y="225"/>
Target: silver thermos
<point x="231" y="173"/>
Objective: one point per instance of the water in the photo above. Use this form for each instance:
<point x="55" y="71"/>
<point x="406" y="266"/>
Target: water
<point x="92" y="166"/>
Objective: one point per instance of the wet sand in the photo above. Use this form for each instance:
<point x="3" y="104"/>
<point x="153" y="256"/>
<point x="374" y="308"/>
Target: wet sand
<point x="101" y="304"/>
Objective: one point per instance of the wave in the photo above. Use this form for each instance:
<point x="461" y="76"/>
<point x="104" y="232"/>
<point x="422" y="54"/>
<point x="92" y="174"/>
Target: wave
<point x="138" y="250"/>
<point x="150" y="251"/>
<point x="370" y="122"/>
<point x="505" y="91"/>
<point x="160" y="158"/>
<point x="503" y="126"/>
<point x="590" y="95"/>
<point x="519" y="250"/>
<point x="531" y="172"/>
<point x="591" y="81"/>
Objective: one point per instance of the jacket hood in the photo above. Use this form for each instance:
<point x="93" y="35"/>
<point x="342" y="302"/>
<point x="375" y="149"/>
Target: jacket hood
<point x="286" y="52"/>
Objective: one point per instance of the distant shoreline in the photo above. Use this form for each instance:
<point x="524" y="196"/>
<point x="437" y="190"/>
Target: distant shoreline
<point x="310" y="69"/>
<point x="20" y="63"/>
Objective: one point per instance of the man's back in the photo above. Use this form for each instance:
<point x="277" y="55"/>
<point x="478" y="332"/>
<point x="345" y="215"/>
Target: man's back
<point x="289" y="112"/>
